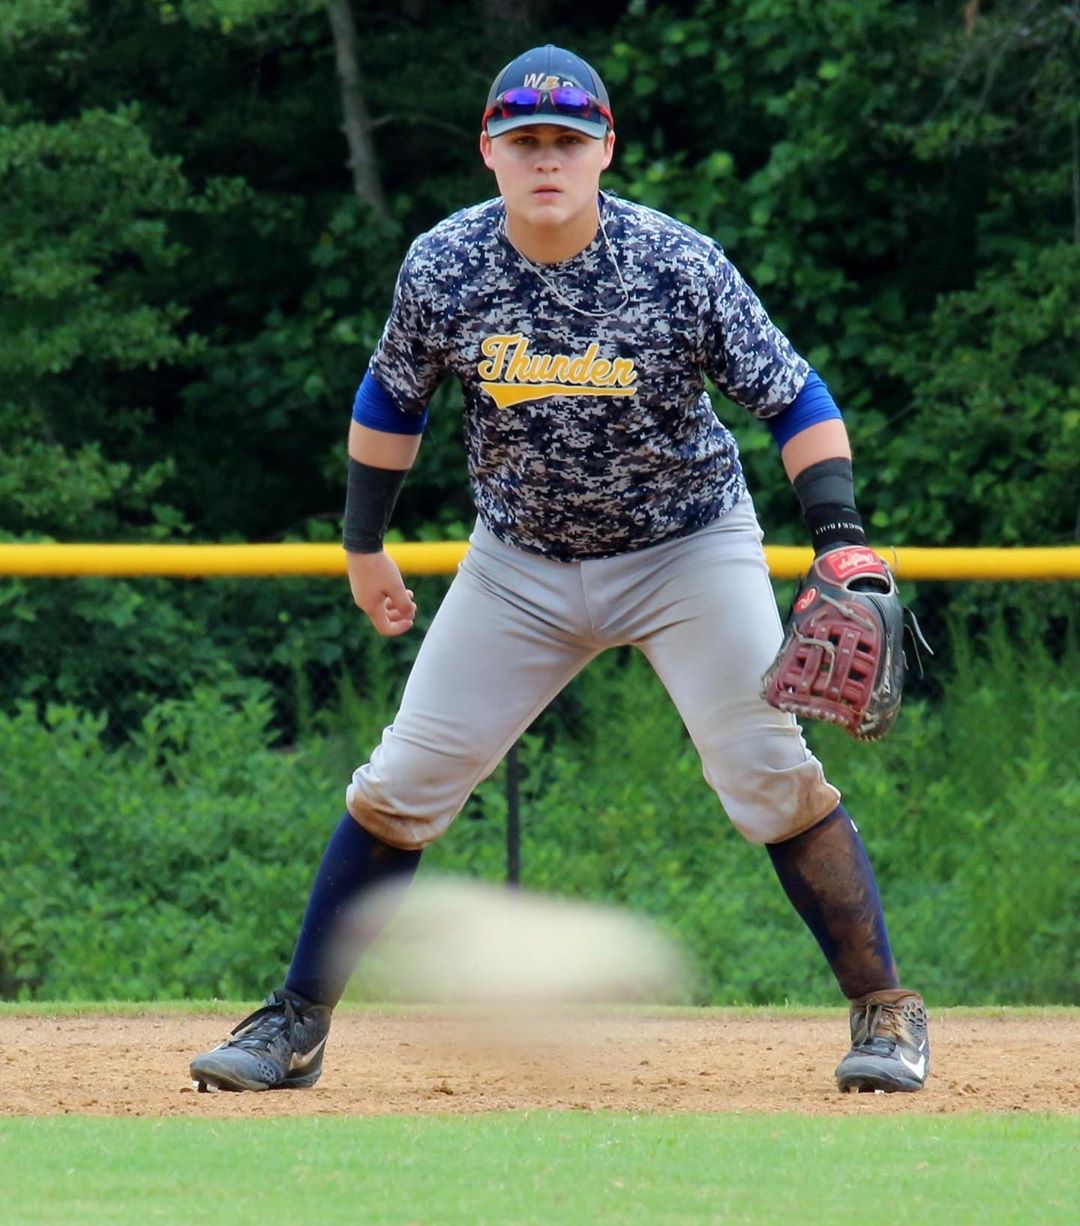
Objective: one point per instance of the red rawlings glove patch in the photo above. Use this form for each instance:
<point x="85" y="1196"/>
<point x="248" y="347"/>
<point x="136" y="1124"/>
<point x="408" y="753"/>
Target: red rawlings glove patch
<point x="852" y="562"/>
<point x="842" y="656"/>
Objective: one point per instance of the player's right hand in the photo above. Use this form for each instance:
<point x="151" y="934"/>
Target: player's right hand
<point x="378" y="589"/>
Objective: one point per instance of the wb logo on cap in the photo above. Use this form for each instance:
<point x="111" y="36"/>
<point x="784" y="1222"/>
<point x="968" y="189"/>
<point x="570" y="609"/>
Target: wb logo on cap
<point x="539" y="80"/>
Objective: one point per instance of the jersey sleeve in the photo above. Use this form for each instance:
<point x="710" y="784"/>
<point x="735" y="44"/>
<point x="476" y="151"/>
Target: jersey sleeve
<point x="407" y="360"/>
<point x="745" y="354"/>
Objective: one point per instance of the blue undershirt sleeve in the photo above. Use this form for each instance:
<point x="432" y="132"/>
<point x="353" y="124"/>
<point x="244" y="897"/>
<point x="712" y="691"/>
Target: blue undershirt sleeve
<point x="813" y="404"/>
<point x="374" y="407"/>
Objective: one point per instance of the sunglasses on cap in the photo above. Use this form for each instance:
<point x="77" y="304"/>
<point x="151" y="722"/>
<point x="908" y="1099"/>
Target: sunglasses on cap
<point x="563" y="99"/>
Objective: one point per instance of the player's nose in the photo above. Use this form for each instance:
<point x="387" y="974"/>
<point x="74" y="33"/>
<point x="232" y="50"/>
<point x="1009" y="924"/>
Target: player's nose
<point x="548" y="157"/>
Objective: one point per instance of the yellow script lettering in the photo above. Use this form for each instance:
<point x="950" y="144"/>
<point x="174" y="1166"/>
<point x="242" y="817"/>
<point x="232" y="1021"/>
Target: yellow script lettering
<point x="513" y="375"/>
<point x="623" y="372"/>
<point x="578" y="371"/>
<point x="495" y="347"/>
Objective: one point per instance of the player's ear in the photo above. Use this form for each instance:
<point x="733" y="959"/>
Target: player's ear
<point x="485" y="150"/>
<point x="609" y="149"/>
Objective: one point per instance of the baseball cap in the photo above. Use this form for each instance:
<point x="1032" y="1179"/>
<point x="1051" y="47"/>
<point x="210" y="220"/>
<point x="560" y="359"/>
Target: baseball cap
<point x="547" y="68"/>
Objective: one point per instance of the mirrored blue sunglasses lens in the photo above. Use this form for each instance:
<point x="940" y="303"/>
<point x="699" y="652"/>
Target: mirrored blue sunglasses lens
<point x="521" y="101"/>
<point x="571" y="101"/>
<point x="565" y="100"/>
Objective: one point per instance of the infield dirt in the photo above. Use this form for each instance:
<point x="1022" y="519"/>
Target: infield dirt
<point x="422" y="1062"/>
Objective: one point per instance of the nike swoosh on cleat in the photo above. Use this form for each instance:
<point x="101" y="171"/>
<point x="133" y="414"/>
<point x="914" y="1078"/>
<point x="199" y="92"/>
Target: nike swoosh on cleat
<point x="302" y="1062"/>
<point x="918" y="1067"/>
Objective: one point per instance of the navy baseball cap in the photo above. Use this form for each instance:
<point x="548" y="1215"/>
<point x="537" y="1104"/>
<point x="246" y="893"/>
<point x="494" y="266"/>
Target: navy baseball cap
<point x="549" y="68"/>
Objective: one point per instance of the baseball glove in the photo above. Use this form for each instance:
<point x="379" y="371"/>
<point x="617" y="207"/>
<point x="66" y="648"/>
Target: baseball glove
<point x="842" y="658"/>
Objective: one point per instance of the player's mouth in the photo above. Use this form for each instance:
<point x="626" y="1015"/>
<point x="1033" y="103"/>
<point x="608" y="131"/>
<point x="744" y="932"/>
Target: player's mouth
<point x="546" y="192"/>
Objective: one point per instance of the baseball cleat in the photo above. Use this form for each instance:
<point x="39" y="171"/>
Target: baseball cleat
<point x="278" y="1047"/>
<point x="890" y="1045"/>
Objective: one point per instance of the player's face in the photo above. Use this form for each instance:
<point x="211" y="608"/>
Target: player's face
<point x="548" y="176"/>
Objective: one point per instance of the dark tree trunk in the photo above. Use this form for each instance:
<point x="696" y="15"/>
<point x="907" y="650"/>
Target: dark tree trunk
<point x="356" y="122"/>
<point x="515" y="19"/>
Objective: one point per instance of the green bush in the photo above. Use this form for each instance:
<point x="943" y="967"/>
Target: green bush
<point x="178" y="862"/>
<point x="166" y="866"/>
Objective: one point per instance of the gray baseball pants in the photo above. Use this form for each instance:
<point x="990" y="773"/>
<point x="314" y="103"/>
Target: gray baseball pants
<point x="514" y="628"/>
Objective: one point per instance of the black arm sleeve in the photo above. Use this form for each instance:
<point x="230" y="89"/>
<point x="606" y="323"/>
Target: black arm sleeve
<point x="826" y="493"/>
<point x="370" y="497"/>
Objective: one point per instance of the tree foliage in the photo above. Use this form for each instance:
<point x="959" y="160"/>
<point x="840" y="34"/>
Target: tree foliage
<point x="190" y="283"/>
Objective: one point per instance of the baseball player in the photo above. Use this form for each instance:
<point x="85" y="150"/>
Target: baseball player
<point x="612" y="510"/>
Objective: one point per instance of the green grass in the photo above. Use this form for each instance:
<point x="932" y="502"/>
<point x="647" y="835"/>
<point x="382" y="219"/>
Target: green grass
<point x="542" y="1168"/>
<point x="551" y="1168"/>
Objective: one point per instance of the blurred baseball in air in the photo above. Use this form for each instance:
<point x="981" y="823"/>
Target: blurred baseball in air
<point x="453" y="940"/>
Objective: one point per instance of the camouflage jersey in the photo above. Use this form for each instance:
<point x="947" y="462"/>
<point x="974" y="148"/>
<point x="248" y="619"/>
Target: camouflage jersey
<point x="588" y="435"/>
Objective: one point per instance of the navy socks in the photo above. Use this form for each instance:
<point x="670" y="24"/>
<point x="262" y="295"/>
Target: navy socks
<point x="826" y="873"/>
<point x="327" y="948"/>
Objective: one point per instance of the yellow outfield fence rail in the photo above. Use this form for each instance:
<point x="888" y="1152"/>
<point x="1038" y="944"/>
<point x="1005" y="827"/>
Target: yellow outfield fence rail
<point x="442" y="557"/>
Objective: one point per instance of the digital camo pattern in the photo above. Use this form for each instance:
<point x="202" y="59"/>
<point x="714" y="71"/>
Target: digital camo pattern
<point x="587" y="437"/>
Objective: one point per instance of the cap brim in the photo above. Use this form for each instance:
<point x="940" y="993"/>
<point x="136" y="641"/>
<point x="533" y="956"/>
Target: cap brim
<point x="596" y="128"/>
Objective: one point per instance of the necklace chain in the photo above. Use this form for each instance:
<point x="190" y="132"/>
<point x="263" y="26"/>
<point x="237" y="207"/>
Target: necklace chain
<point x="531" y="267"/>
